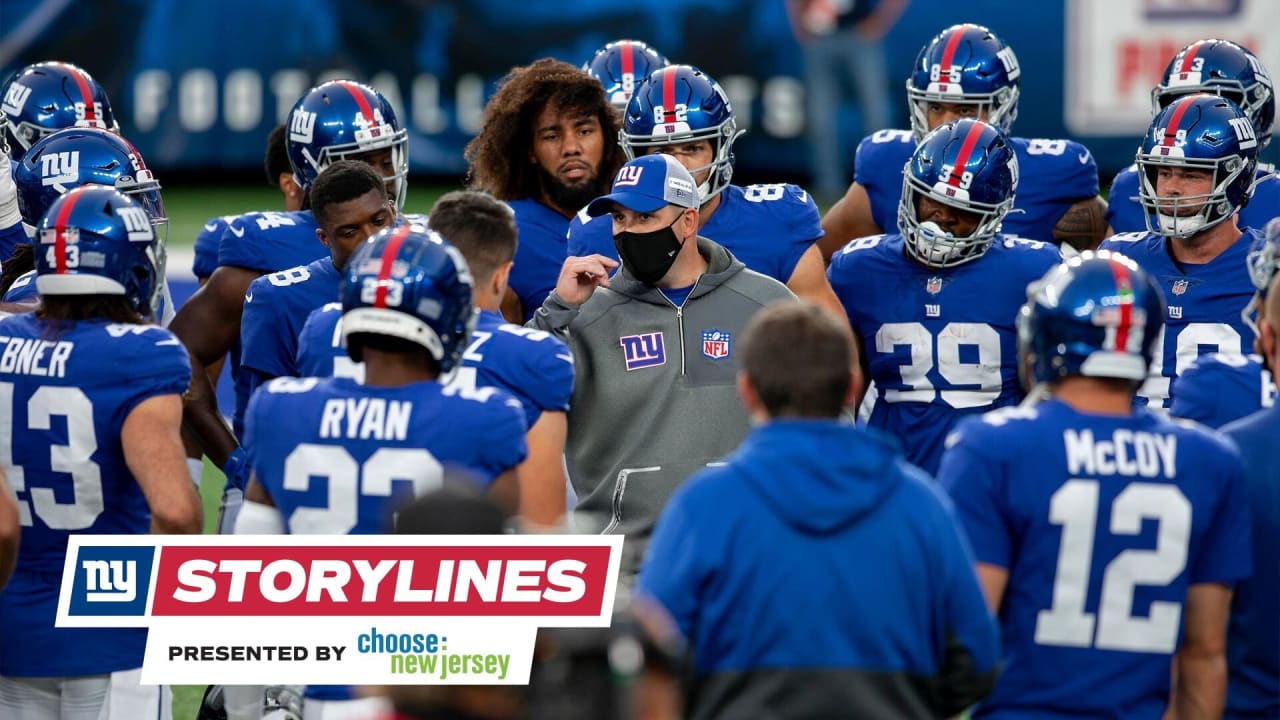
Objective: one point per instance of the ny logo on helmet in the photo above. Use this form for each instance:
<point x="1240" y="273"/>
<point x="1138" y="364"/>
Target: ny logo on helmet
<point x="302" y="126"/>
<point x="15" y="98"/>
<point x="59" y="168"/>
<point x="1244" y="132"/>
<point x="137" y="223"/>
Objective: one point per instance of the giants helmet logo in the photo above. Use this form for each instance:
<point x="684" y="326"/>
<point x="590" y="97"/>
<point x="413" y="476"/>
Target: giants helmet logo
<point x="302" y="126"/>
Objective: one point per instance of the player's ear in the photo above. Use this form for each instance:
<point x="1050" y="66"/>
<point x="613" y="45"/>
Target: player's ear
<point x="750" y="398"/>
<point x="1269" y="341"/>
<point x="498" y="283"/>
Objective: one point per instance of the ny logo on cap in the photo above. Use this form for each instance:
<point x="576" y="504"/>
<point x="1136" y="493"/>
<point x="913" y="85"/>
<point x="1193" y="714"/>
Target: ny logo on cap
<point x="628" y="175"/>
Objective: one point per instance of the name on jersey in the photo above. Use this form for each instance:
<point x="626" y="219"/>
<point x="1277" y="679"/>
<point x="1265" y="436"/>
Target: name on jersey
<point x="365" y="419"/>
<point x="1126" y="453"/>
<point x="40" y="358"/>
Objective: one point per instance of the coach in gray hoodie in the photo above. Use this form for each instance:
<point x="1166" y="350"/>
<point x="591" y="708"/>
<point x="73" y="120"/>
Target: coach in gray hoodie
<point x="654" y="349"/>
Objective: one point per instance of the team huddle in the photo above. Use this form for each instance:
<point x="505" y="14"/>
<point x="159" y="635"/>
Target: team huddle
<point x="1034" y="421"/>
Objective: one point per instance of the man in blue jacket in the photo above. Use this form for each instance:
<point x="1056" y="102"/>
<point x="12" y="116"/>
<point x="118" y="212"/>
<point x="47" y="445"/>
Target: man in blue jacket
<point x="816" y="574"/>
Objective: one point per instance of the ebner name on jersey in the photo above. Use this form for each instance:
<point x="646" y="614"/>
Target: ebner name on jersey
<point x="29" y="356"/>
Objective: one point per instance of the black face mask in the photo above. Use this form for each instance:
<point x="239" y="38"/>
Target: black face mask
<point x="648" y="256"/>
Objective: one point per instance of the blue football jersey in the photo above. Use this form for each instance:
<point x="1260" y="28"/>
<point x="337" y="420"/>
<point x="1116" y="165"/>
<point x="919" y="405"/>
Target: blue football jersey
<point x="1217" y="389"/>
<point x="540" y="253"/>
<point x="338" y="457"/>
<point x="322" y="351"/>
<point x="1052" y="175"/>
<point x="64" y="397"/>
<point x="1204" y="301"/>
<point x="767" y="227"/>
<point x="532" y="366"/>
<point x="23" y="290"/>
<point x="941" y="344"/>
<point x="1125" y="214"/>
<point x="1102" y="522"/>
<point x="275" y="309"/>
<point x="271" y="241"/>
<point x="206" y="248"/>
<point x="1253" y="654"/>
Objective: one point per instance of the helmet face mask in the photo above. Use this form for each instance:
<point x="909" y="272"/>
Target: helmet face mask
<point x="47" y="97"/>
<point x="343" y="119"/>
<point x="965" y="65"/>
<point x="980" y="182"/>
<point x="1196" y="133"/>
<point x="679" y="104"/>
<point x="1095" y="315"/>
<point x="1223" y="68"/>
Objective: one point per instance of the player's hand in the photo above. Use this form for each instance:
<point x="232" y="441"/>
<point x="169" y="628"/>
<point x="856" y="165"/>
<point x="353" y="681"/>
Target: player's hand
<point x="579" y="277"/>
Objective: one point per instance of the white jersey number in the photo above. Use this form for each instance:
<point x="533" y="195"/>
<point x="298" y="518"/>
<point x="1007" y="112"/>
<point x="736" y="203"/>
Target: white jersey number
<point x="347" y="482"/>
<point x="1194" y="340"/>
<point x="73" y="458"/>
<point x="944" y="352"/>
<point x="1075" y="507"/>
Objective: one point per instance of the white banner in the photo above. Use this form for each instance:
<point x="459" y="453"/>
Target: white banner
<point x="1116" y="51"/>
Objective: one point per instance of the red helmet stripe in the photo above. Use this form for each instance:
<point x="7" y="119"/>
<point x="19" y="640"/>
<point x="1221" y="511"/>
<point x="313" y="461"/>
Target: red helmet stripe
<point x="389" y="254"/>
<point x="86" y="95"/>
<point x="60" y="232"/>
<point x="1171" y="131"/>
<point x="362" y="102"/>
<point x="628" y="59"/>
<point x="949" y="51"/>
<point x="966" y="149"/>
<point x="1189" y="58"/>
<point x="1124" y="292"/>
<point x="669" y="96"/>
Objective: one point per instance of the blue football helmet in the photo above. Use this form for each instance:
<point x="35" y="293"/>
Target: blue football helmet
<point x="1263" y="260"/>
<point x="1097" y="314"/>
<point x="95" y="240"/>
<point x="966" y="65"/>
<point x="621" y="66"/>
<point x="407" y="282"/>
<point x="51" y="96"/>
<point x="678" y="104"/>
<point x="342" y="119"/>
<point x="969" y="165"/>
<point x="1197" y="132"/>
<point x="1220" y="67"/>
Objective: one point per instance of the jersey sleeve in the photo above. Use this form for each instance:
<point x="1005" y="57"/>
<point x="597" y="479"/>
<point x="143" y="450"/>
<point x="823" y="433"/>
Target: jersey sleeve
<point x="797" y="212"/>
<point x="265" y="345"/>
<point x="1124" y="214"/>
<point x="1201" y="392"/>
<point x="878" y="167"/>
<point x="237" y="248"/>
<point x="506" y="446"/>
<point x="1225" y="554"/>
<point x="591" y="236"/>
<point x="206" y="247"/>
<point x="315" y="342"/>
<point x="549" y="374"/>
<point x="257" y="418"/>
<point x="155" y="363"/>
<point x="23" y="290"/>
<point x="1079" y="177"/>
<point x="975" y="483"/>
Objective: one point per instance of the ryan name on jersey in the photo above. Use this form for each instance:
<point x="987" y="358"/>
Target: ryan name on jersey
<point x="366" y="419"/>
<point x="1126" y="453"/>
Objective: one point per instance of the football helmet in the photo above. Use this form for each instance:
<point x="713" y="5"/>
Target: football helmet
<point x="677" y="104"/>
<point x="407" y="282"/>
<point x="50" y="96"/>
<point x="1197" y="132"/>
<point x="1263" y="260"/>
<point x="341" y="119"/>
<point x="1220" y="67"/>
<point x="95" y="240"/>
<point x="621" y="66"/>
<point x="1097" y="314"/>
<point x="965" y="64"/>
<point x="969" y="165"/>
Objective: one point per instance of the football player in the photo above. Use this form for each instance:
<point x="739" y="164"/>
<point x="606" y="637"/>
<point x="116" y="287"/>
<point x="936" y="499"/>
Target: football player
<point x="547" y="147"/>
<point x="1107" y="537"/>
<point x="969" y="72"/>
<point x="935" y="305"/>
<point x="336" y="120"/>
<point x="532" y="366"/>
<point x="406" y="299"/>
<point x="621" y="67"/>
<point x="91" y="444"/>
<point x="1197" y="167"/>
<point x="1218" y="67"/>
<point x="683" y="112"/>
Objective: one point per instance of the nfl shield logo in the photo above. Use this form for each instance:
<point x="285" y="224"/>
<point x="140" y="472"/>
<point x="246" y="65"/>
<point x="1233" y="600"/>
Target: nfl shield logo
<point x="715" y="344"/>
<point x="1179" y="287"/>
<point x="934" y="286"/>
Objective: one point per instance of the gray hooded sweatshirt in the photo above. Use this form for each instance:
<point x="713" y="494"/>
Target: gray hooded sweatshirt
<point x="654" y="397"/>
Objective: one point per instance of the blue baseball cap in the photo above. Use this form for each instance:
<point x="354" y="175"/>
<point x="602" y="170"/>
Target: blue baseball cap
<point x="647" y="184"/>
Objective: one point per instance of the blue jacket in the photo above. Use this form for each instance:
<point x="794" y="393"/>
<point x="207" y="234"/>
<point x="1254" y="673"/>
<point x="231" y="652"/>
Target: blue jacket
<point x="817" y="574"/>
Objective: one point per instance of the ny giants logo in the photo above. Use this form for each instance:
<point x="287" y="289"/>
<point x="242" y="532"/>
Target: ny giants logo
<point x="629" y="175"/>
<point x="15" y="98"/>
<point x="137" y="223"/>
<point x="57" y="169"/>
<point x="302" y="126"/>
<point x="642" y="351"/>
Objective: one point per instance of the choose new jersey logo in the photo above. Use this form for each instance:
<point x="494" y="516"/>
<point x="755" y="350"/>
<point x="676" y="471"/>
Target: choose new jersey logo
<point x="109" y="580"/>
<point x="642" y="351"/>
